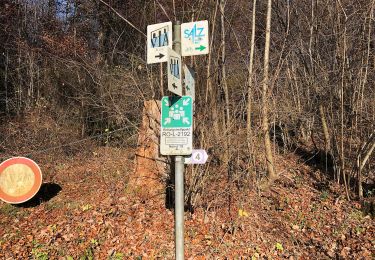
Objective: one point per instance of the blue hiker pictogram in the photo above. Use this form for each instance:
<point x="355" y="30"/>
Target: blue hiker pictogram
<point x="159" y="38"/>
<point x="174" y="67"/>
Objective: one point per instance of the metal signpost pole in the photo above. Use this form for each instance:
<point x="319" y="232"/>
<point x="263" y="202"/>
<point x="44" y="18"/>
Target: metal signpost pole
<point x="179" y="173"/>
<point x="176" y="124"/>
<point x="179" y="207"/>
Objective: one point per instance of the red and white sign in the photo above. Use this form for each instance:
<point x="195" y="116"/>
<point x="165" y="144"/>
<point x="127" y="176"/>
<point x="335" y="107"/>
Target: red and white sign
<point x="20" y="180"/>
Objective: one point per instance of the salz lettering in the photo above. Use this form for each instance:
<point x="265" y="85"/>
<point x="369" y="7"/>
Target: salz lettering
<point x="195" y="34"/>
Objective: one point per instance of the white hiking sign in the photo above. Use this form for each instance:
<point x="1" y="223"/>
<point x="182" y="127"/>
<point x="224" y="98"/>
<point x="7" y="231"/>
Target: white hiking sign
<point x="159" y="39"/>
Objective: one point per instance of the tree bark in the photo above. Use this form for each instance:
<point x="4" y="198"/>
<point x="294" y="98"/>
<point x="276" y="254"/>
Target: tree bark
<point x="265" y="126"/>
<point x="250" y="80"/>
<point x="365" y="152"/>
<point x="210" y="91"/>
<point x="223" y="69"/>
<point x="224" y="85"/>
<point x="323" y="120"/>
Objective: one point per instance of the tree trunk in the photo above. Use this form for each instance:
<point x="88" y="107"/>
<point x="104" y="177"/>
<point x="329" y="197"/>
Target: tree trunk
<point x="250" y="80"/>
<point x="223" y="83"/>
<point x="223" y="71"/>
<point x="327" y="139"/>
<point x="365" y="152"/>
<point x="265" y="127"/>
<point x="210" y="92"/>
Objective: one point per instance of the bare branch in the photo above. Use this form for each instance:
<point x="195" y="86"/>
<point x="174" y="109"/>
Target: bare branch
<point x="123" y="18"/>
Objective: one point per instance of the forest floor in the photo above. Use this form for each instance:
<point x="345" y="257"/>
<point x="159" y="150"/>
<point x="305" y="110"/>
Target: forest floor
<point x="86" y="210"/>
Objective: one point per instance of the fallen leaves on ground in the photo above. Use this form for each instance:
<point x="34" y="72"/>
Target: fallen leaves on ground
<point x="96" y="215"/>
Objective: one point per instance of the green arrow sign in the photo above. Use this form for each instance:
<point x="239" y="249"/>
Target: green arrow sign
<point x="194" y="38"/>
<point x="200" y="48"/>
<point x="176" y="112"/>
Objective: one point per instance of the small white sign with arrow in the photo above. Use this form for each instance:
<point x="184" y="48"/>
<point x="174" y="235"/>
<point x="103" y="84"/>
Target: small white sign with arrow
<point x="174" y="72"/>
<point x="194" y="38"/>
<point x="159" y="39"/>
<point x="198" y="156"/>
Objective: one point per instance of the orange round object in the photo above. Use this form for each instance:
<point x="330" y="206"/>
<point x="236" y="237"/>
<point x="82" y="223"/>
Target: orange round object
<point x="20" y="180"/>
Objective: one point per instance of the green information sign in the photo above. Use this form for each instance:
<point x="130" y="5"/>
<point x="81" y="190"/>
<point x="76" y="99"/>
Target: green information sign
<point x="177" y="112"/>
<point x="176" y="137"/>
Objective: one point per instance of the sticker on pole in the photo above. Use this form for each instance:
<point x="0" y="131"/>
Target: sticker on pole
<point x="194" y="38"/>
<point x="189" y="79"/>
<point x="20" y="180"/>
<point x="174" y="72"/>
<point x="159" y="39"/>
<point x="176" y="137"/>
<point x="198" y="156"/>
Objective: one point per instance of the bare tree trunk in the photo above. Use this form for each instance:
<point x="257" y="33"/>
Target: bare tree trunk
<point x="223" y="83"/>
<point x="343" y="72"/>
<point x="342" y="114"/>
<point x="223" y="70"/>
<point x="210" y="92"/>
<point x="327" y="139"/>
<point x="6" y="82"/>
<point x="265" y="127"/>
<point x="365" y="152"/>
<point x="361" y="162"/>
<point x="250" y="80"/>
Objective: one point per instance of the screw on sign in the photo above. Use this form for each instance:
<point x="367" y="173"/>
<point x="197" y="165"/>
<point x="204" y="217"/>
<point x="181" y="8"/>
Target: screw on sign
<point x="20" y="180"/>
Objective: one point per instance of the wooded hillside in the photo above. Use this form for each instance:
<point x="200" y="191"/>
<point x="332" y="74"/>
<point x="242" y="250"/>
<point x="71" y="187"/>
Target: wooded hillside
<point x="73" y="75"/>
<point x="82" y="63"/>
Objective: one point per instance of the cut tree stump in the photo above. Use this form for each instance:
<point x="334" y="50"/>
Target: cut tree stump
<point x="150" y="171"/>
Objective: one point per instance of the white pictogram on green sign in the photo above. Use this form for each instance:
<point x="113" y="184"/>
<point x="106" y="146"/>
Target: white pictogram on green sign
<point x="176" y="112"/>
